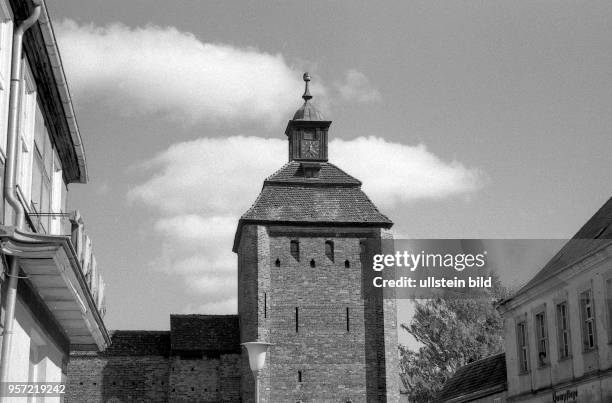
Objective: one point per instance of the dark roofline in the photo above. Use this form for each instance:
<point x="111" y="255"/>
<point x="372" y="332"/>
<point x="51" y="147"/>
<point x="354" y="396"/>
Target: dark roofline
<point x="242" y="222"/>
<point x="460" y="396"/>
<point x="582" y="234"/>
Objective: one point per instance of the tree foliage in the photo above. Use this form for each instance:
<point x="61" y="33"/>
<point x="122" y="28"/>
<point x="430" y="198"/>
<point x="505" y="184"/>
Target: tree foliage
<point x="453" y="332"/>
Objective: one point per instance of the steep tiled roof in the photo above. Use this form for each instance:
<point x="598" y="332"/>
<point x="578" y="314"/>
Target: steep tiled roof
<point x="315" y="205"/>
<point x="594" y="234"/>
<point x="330" y="197"/>
<point x="138" y="342"/>
<point x="293" y="172"/>
<point x="205" y="333"/>
<point x="482" y="375"/>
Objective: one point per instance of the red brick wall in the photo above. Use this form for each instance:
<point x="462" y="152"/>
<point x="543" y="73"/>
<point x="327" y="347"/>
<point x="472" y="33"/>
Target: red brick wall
<point x="335" y="364"/>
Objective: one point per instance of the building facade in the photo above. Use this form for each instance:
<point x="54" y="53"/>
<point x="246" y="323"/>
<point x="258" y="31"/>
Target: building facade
<point x="558" y="328"/>
<point x="304" y="285"/>
<point x="51" y="291"/>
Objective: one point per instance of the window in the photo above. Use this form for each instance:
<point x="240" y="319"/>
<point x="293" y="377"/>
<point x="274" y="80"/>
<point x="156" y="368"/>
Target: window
<point x="265" y="305"/>
<point x="311" y="172"/>
<point x="563" y="330"/>
<point x="589" y="338"/>
<point x="296" y="319"/>
<point x="521" y="333"/>
<point x="348" y="323"/>
<point x="347" y="264"/>
<point x="312" y="263"/>
<point x="26" y="133"/>
<point x="609" y="306"/>
<point x="299" y="376"/>
<point x="542" y="338"/>
<point x="295" y="249"/>
<point x="42" y="171"/>
<point x="329" y="250"/>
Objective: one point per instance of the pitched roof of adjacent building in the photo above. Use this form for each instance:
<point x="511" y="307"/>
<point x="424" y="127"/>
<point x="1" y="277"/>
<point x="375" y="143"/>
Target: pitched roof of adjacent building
<point x="479" y="378"/>
<point x="596" y="233"/>
<point x="205" y="333"/>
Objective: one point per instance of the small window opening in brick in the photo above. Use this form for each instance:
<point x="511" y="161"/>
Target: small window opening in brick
<point x="347" y="264"/>
<point x="162" y="382"/>
<point x="348" y="323"/>
<point x="205" y="389"/>
<point x="277" y="263"/>
<point x="174" y="389"/>
<point x="133" y="383"/>
<point x="296" y="319"/>
<point x="299" y="376"/>
<point x="95" y="383"/>
<point x="295" y="249"/>
<point x="329" y="250"/>
<point x="216" y="390"/>
<point x="80" y="383"/>
<point x="265" y="305"/>
<point x="192" y="388"/>
<point x="114" y="383"/>
<point x="312" y="263"/>
<point x="192" y="368"/>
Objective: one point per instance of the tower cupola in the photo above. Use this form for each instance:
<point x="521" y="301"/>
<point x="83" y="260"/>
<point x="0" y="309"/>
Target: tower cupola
<point x="307" y="131"/>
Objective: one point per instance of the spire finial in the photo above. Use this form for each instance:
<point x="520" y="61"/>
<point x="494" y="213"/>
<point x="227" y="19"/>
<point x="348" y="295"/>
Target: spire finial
<point x="306" y="95"/>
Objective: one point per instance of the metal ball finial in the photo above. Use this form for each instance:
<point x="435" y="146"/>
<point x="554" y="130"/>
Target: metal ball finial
<point x="306" y="95"/>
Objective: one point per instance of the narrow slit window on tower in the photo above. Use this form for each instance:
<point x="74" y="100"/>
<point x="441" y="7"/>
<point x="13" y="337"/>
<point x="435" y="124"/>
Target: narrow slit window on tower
<point x="295" y="249"/>
<point x="300" y="376"/>
<point x="347" y="264"/>
<point x="348" y="323"/>
<point x="277" y="263"/>
<point x="296" y="319"/>
<point x="265" y="305"/>
<point x="329" y="250"/>
<point x="312" y="263"/>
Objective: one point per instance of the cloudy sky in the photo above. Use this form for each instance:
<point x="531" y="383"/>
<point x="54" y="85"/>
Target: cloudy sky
<point x="463" y="119"/>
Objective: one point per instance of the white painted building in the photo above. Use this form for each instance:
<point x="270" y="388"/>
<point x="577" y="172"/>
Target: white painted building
<point x="46" y="259"/>
<point x="558" y="328"/>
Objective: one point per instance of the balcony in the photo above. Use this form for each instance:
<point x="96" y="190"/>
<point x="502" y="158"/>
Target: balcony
<point x="59" y="263"/>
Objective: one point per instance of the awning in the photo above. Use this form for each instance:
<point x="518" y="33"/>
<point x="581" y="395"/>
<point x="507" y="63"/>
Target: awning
<point x="50" y="262"/>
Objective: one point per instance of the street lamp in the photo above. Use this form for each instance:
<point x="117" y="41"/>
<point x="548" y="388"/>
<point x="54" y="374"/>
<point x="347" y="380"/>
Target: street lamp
<point x="257" y="358"/>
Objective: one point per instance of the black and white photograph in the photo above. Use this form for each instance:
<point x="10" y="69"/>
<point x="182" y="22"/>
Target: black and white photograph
<point x="280" y="201"/>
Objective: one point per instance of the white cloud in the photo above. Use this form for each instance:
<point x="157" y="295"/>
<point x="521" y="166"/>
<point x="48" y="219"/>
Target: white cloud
<point x="357" y="87"/>
<point x="161" y="70"/>
<point x="199" y="189"/>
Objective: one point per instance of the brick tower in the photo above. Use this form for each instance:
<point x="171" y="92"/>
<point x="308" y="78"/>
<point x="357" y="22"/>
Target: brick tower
<point x="304" y="283"/>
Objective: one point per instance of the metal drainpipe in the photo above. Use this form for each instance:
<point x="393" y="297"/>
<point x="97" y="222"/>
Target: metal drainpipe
<point x="10" y="187"/>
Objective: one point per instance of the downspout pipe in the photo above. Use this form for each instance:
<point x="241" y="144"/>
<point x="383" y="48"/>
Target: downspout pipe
<point x="10" y="188"/>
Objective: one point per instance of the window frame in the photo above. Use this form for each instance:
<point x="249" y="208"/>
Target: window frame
<point x="607" y="277"/>
<point x="522" y="340"/>
<point x="564" y="338"/>
<point x="541" y="335"/>
<point x="588" y="322"/>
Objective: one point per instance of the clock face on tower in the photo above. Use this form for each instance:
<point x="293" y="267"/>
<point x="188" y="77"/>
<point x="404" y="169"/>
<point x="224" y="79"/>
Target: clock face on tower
<point x="310" y="149"/>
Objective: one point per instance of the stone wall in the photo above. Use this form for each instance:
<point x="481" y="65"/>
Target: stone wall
<point x="142" y="366"/>
<point x="345" y="331"/>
